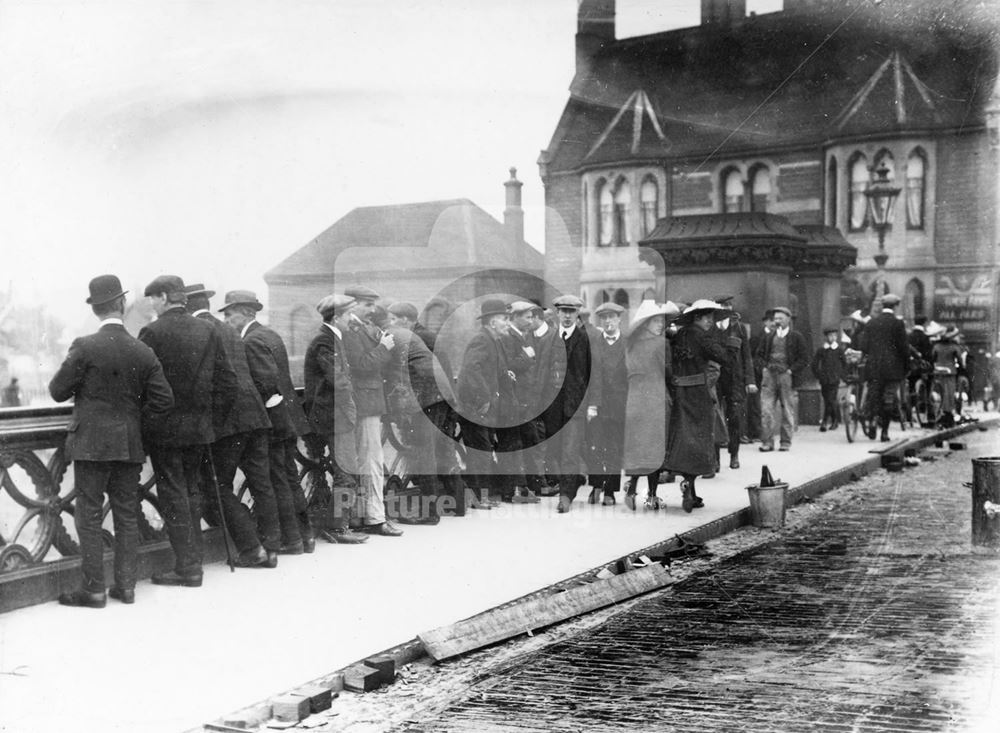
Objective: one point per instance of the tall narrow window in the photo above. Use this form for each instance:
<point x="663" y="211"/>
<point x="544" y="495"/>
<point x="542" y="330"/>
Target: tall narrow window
<point x="649" y="196"/>
<point x="760" y="188"/>
<point x="586" y="215"/>
<point x="831" y="193"/>
<point x="733" y="191"/>
<point x="916" y="172"/>
<point x="623" y="201"/>
<point x="606" y="204"/>
<point x="913" y="300"/>
<point x="858" y="214"/>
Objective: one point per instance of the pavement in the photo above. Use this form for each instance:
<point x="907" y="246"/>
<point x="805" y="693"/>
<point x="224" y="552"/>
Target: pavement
<point x="180" y="657"/>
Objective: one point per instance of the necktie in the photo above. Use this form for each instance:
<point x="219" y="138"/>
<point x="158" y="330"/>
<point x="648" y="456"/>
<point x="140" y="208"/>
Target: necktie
<point x="565" y="335"/>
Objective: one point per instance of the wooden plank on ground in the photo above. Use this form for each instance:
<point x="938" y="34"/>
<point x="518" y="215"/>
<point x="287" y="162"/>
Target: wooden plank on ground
<point x="881" y="448"/>
<point x="534" y="613"/>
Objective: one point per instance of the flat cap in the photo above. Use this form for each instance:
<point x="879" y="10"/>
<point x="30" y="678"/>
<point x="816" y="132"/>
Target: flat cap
<point x="165" y="284"/>
<point x="333" y="303"/>
<point x="241" y="297"/>
<point x="404" y="309"/>
<point x="890" y="301"/>
<point x="522" y="306"/>
<point x="360" y="292"/>
<point x="831" y="328"/>
<point x="609" y="308"/>
<point x="198" y="289"/>
<point x="782" y="309"/>
<point x="568" y="302"/>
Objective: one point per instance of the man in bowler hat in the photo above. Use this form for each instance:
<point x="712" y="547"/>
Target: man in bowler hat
<point x="118" y="389"/>
<point x="203" y="381"/>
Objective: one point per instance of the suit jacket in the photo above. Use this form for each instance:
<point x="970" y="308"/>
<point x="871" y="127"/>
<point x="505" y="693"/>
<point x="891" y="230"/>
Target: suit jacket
<point x="884" y="342"/>
<point x="329" y="395"/>
<point x="611" y="375"/>
<point x="117" y="385"/>
<point x="196" y="366"/>
<point x="268" y="363"/>
<point x="247" y="412"/>
<point x="828" y="365"/>
<point x="738" y="368"/>
<point x="522" y="365"/>
<point x="485" y="390"/>
<point x="571" y="375"/>
<point x="544" y="386"/>
<point x="367" y="358"/>
<point x="797" y="352"/>
<point x="414" y="378"/>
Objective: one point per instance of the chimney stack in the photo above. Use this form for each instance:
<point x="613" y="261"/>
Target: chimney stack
<point x="513" y="214"/>
<point x="595" y="29"/>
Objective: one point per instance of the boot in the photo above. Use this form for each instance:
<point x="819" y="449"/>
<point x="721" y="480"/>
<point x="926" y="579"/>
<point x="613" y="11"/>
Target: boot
<point x="630" y="492"/>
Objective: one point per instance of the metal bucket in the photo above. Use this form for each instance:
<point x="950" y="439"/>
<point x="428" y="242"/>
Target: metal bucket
<point x="767" y="505"/>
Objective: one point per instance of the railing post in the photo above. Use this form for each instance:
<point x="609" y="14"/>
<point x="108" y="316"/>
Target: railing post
<point x="986" y="502"/>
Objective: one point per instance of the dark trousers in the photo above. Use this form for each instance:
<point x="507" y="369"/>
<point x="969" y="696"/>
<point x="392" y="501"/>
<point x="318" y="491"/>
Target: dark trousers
<point x="753" y="415"/>
<point x="249" y="452"/>
<point x="121" y="483"/>
<point x="882" y="397"/>
<point x="478" y="439"/>
<point x="831" y="410"/>
<point x="345" y="480"/>
<point x="443" y="419"/>
<point x="177" y="469"/>
<point x="607" y="445"/>
<point x="510" y="471"/>
<point x="733" y="397"/>
<point x="533" y="441"/>
<point x="564" y="451"/>
<point x="291" y="500"/>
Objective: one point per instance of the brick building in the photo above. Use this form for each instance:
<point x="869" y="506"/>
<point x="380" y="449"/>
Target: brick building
<point x="756" y="129"/>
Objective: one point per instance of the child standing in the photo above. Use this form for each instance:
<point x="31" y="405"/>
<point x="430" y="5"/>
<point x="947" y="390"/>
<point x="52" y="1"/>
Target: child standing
<point x="828" y="366"/>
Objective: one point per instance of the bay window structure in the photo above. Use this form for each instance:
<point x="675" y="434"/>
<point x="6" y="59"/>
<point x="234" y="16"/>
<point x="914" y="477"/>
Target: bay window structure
<point x="649" y="196"/>
<point x="733" y="191"/>
<point x="916" y="176"/>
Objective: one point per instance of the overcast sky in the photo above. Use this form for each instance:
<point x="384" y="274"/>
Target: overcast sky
<point x="212" y="139"/>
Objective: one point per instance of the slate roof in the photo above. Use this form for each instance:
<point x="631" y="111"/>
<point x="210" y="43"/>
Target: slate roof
<point x="720" y="227"/>
<point x="409" y="238"/>
<point x="783" y="79"/>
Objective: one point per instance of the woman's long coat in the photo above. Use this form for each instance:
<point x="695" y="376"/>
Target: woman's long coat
<point x="647" y="359"/>
<point x="691" y="437"/>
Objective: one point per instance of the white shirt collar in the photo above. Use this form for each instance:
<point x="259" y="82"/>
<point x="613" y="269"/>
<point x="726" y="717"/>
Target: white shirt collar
<point x="334" y="329"/>
<point x="566" y="332"/>
<point x="516" y="330"/>
<point x="243" y="333"/>
<point x="113" y="321"/>
<point x="888" y="310"/>
<point x="723" y="324"/>
<point x="199" y="312"/>
<point x="542" y="330"/>
<point x="828" y="345"/>
<point x="782" y="332"/>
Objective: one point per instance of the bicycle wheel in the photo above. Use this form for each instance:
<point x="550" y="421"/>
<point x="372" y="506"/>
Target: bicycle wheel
<point x="848" y="416"/>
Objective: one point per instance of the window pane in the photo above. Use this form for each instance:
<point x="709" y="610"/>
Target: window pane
<point x="915" y="191"/>
<point x="859" y="182"/>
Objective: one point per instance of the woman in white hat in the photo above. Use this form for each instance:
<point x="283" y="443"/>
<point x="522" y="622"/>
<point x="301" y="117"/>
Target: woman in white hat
<point x="691" y="444"/>
<point x="647" y="357"/>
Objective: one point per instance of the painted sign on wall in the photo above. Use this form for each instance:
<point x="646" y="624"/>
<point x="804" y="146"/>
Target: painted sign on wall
<point x="967" y="300"/>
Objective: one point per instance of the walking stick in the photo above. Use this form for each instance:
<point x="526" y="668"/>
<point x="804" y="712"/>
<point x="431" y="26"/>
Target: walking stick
<point x="222" y="512"/>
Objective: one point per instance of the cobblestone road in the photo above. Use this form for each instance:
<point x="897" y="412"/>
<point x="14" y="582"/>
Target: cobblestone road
<point x="870" y="613"/>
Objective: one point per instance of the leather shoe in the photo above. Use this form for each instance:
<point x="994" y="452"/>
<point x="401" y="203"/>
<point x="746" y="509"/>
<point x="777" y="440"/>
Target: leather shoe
<point x="308" y="545"/>
<point x="766" y="448"/>
<point x="564" y="504"/>
<point x="784" y="447"/>
<point x="697" y="503"/>
<point x="343" y="537"/>
<point x="734" y="462"/>
<point x="83" y="599"/>
<point x="608" y="500"/>
<point x="595" y="493"/>
<point x="708" y="475"/>
<point x="256" y="558"/>
<point x="172" y="578"/>
<point x="125" y="595"/>
<point x="385" y="529"/>
<point x="822" y="428"/>
<point x="296" y="548"/>
<point x="417" y="519"/>
<point x="630" y="501"/>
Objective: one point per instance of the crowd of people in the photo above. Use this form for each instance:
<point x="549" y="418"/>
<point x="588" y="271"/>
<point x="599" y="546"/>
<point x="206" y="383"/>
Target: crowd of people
<point x="541" y="403"/>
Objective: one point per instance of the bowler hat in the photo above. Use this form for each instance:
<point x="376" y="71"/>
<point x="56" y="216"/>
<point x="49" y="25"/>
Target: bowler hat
<point x="568" y="302"/>
<point x="104" y="289"/>
<point x="241" y="297"/>
<point x="493" y="307"/>
<point x="334" y="303"/>
<point x="198" y="289"/>
<point x="165" y="284"/>
<point x="360" y="292"/>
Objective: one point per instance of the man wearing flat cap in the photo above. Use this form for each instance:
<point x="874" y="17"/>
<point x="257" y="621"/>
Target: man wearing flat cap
<point x="785" y="356"/>
<point x="884" y="344"/>
<point x="268" y="362"/>
<point x="368" y="348"/>
<point x="203" y="381"/>
<point x="240" y="442"/>
<point x="566" y="415"/>
<point x="606" y="404"/>
<point x="329" y="405"/>
<point x="119" y="391"/>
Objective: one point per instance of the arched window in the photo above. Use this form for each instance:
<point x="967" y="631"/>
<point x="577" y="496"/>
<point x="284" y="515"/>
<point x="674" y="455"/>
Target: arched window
<point x="884" y="157"/>
<point x="649" y="197"/>
<point x="913" y="300"/>
<point x="606" y="209"/>
<point x="732" y="191"/>
<point x="300" y="329"/>
<point x="586" y="215"/>
<point x="831" y="193"/>
<point x="621" y="298"/>
<point x="916" y="177"/>
<point x="858" y="213"/>
<point x="760" y="188"/>
<point x="623" y="202"/>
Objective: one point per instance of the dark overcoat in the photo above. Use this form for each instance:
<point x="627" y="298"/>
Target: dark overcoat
<point x="570" y="378"/>
<point x="610" y="372"/>
<point x="329" y="394"/>
<point x="265" y="348"/>
<point x="202" y="379"/>
<point x="247" y="412"/>
<point x="691" y="437"/>
<point x="884" y="343"/>
<point x="118" y="387"/>
<point x="485" y="391"/>
<point x="522" y="363"/>
<point x="414" y="378"/>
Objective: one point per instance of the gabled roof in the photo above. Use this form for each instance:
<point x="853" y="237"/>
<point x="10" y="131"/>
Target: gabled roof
<point x="782" y="79"/>
<point x="409" y="238"/>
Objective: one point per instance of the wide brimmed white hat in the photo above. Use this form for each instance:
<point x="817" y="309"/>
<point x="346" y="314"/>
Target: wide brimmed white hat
<point x="701" y="304"/>
<point x="650" y="308"/>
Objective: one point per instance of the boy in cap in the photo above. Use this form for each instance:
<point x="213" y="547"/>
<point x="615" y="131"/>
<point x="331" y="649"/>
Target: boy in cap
<point x="828" y="367"/>
<point x="118" y="389"/>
